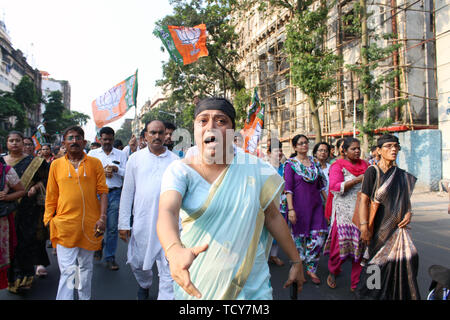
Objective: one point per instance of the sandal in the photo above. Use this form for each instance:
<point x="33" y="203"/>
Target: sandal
<point x="314" y="278"/>
<point x="331" y="281"/>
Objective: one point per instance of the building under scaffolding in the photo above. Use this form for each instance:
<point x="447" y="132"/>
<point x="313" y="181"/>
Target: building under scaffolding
<point x="265" y="65"/>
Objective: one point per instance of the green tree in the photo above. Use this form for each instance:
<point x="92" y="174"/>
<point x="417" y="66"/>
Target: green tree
<point x="26" y="95"/>
<point x="9" y="107"/>
<point x="214" y="75"/>
<point x="370" y="85"/>
<point x="124" y="133"/>
<point x="58" y="118"/>
<point x="313" y="65"/>
<point x="242" y="100"/>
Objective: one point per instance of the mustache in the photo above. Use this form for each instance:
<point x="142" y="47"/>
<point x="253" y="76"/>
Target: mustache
<point x="157" y="140"/>
<point x="74" y="145"/>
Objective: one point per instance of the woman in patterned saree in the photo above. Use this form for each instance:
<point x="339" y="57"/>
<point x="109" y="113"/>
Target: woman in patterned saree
<point x="305" y="182"/>
<point x="229" y="203"/>
<point x="344" y="240"/>
<point x="12" y="190"/>
<point x="391" y="251"/>
<point x="30" y="250"/>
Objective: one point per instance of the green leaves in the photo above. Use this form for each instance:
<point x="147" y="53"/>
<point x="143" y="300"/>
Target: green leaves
<point x="313" y="66"/>
<point x="214" y="75"/>
<point x="58" y="118"/>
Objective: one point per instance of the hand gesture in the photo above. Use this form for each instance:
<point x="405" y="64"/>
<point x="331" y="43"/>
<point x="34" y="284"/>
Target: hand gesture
<point x="180" y="259"/>
<point x="296" y="275"/>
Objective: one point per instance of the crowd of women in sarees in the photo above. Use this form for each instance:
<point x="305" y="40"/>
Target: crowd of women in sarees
<point x="385" y="243"/>
<point x="25" y="231"/>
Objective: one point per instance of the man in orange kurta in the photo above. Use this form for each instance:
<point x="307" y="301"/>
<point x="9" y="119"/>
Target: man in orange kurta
<point x="75" y="215"/>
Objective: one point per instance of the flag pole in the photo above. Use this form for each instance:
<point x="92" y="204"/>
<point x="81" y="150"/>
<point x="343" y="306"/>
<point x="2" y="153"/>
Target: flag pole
<point x="185" y="78"/>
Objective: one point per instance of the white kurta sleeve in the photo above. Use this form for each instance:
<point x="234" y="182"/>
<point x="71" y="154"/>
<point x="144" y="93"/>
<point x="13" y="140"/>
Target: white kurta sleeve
<point x="127" y="197"/>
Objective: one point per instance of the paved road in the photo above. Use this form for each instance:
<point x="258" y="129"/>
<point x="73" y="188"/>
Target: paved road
<point x="430" y="230"/>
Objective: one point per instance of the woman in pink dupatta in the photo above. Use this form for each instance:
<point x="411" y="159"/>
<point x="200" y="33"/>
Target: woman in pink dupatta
<point x="344" y="239"/>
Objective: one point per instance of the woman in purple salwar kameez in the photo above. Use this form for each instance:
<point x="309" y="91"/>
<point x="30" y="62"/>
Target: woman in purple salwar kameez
<point x="305" y="182"/>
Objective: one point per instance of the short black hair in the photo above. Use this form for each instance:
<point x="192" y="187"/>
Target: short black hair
<point x="96" y="144"/>
<point x="118" y="143"/>
<point x="169" y="125"/>
<point x="77" y="129"/>
<point x="106" y="130"/>
<point x="146" y="126"/>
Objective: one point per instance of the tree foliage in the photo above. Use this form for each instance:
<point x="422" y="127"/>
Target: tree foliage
<point x="313" y="65"/>
<point x="124" y="133"/>
<point x="16" y="104"/>
<point x="25" y="93"/>
<point x="370" y="85"/>
<point x="58" y="118"/>
<point x="214" y="75"/>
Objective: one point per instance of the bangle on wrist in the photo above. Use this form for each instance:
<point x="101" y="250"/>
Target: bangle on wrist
<point x="171" y="245"/>
<point x="292" y="262"/>
<point x="363" y="223"/>
<point x="290" y="210"/>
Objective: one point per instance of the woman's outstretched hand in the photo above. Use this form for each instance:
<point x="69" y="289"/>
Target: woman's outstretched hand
<point x="180" y="259"/>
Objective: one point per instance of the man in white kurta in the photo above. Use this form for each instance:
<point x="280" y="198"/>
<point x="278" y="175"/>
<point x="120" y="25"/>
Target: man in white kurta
<point x="140" y="196"/>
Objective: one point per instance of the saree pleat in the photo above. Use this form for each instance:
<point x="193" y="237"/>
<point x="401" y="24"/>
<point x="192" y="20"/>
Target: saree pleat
<point x="28" y="220"/>
<point x="391" y="248"/>
<point x="231" y="221"/>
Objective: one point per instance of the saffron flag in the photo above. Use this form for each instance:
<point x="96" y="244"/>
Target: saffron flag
<point x="253" y="124"/>
<point x="37" y="144"/>
<point x="113" y="104"/>
<point x="185" y="44"/>
<point x="38" y="137"/>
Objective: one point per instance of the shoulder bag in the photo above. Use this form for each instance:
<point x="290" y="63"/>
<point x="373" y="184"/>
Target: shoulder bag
<point x="373" y="205"/>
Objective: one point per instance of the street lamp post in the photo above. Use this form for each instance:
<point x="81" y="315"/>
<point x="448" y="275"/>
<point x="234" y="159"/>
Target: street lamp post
<point x="174" y="115"/>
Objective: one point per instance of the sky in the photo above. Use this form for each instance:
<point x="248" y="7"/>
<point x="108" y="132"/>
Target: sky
<point x="93" y="44"/>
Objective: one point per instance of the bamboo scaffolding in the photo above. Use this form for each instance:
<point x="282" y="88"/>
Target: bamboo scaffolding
<point x="267" y="67"/>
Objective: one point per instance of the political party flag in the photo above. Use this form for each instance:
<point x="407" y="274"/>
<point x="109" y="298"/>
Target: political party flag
<point x="185" y="44"/>
<point x="37" y="144"/>
<point x="39" y="137"/>
<point x="253" y="124"/>
<point x="113" y="104"/>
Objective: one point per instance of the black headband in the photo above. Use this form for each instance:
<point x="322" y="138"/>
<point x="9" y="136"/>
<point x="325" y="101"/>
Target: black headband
<point x="385" y="139"/>
<point x="216" y="104"/>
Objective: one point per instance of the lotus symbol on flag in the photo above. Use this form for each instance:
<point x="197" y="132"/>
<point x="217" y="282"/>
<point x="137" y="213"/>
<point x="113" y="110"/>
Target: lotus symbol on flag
<point x="110" y="100"/>
<point x="189" y="36"/>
